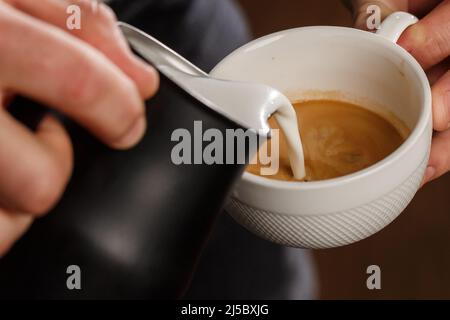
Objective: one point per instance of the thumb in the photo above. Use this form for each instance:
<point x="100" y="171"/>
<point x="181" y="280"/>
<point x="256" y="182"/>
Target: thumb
<point x="364" y="10"/>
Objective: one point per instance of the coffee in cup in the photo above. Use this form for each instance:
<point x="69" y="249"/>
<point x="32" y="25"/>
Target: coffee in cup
<point x="338" y="138"/>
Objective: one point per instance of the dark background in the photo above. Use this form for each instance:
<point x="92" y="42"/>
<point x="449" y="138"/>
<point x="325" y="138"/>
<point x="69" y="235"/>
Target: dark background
<point x="413" y="252"/>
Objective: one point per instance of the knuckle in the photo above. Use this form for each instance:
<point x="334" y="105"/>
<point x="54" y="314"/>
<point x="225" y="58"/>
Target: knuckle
<point x="441" y="104"/>
<point x="441" y="118"/>
<point x="107" y="13"/>
<point x="437" y="45"/>
<point x="82" y="85"/>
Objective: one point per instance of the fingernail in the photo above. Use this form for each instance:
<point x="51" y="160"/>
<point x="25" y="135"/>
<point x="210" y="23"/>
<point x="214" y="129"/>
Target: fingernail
<point x="133" y="136"/>
<point x="429" y="174"/>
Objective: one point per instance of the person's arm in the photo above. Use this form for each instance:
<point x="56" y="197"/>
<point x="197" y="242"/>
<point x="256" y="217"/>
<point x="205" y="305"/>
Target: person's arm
<point x="429" y="42"/>
<point x="89" y="74"/>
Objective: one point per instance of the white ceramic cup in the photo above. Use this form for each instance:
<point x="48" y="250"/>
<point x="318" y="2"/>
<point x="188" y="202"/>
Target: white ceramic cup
<point x="351" y="65"/>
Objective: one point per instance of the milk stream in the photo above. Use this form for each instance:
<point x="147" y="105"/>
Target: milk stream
<point x="287" y="120"/>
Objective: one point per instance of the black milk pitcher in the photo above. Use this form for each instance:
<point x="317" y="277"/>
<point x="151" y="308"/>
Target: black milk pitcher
<point x="132" y="224"/>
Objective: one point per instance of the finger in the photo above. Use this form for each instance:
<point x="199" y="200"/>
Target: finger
<point x="70" y="76"/>
<point x="12" y="227"/>
<point x="439" y="162"/>
<point x="99" y="29"/>
<point x="386" y="6"/>
<point x="35" y="167"/>
<point x="441" y="103"/>
<point x="429" y="39"/>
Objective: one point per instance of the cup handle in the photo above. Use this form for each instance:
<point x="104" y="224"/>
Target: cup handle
<point x="393" y="26"/>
